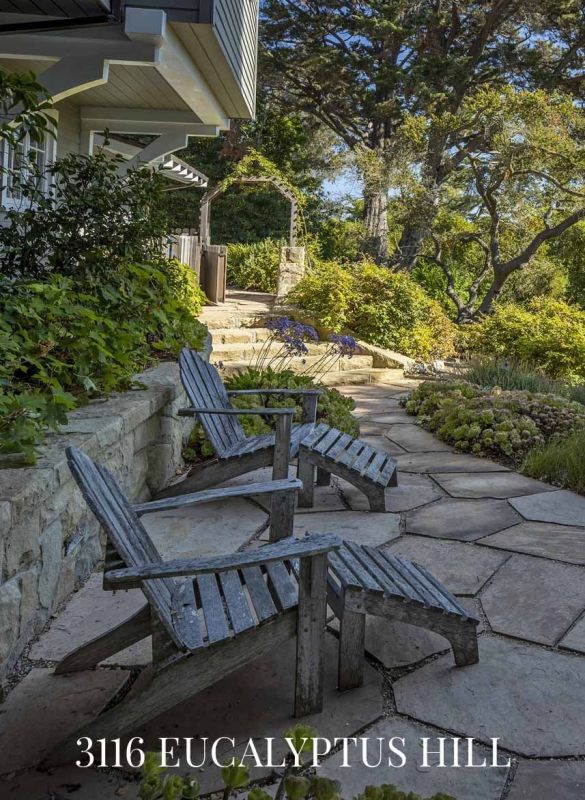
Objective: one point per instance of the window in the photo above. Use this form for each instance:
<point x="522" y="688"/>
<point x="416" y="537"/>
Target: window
<point x="16" y="161"/>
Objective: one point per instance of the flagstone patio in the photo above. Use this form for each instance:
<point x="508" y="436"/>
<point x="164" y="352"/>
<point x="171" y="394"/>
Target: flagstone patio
<point x="512" y="549"/>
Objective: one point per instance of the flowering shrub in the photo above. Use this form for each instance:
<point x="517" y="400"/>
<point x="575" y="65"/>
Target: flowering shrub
<point x="333" y="408"/>
<point x="293" y="338"/>
<point x="503" y="425"/>
<point x="382" y="307"/>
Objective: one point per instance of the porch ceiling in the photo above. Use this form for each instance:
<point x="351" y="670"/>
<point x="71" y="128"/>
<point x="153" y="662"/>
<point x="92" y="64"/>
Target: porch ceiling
<point x="56" y="8"/>
<point x="132" y="87"/>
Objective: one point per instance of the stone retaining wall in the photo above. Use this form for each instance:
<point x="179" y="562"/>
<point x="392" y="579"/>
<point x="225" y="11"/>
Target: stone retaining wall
<point x="49" y="541"/>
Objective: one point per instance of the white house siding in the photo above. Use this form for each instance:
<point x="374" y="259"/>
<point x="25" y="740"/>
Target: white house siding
<point x="69" y="129"/>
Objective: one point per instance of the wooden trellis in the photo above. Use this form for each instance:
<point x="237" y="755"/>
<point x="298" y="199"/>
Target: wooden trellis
<point x="205" y="219"/>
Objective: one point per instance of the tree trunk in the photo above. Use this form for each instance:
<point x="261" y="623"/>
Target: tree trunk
<point x="501" y="275"/>
<point x="376" y="224"/>
<point x="426" y="208"/>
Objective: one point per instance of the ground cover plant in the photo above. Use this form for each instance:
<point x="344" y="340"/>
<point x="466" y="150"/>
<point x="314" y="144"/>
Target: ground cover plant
<point x="504" y="425"/>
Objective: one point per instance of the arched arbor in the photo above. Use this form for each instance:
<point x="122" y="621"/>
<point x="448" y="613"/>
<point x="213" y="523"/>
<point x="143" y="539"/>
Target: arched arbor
<point x="205" y="218"/>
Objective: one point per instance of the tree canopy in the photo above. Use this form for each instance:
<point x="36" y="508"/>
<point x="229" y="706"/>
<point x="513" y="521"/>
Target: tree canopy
<point x="367" y="70"/>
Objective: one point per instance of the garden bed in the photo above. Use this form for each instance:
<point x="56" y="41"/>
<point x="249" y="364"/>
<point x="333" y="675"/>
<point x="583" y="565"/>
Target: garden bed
<point x="516" y="428"/>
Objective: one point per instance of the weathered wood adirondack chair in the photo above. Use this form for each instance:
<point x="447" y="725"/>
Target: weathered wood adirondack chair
<point x="235" y="453"/>
<point x="207" y="617"/>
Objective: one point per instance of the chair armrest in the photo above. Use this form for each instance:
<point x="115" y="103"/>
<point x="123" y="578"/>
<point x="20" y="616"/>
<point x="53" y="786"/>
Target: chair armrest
<point x="273" y="412"/>
<point x="289" y="392"/>
<point x="208" y="496"/>
<point x="311" y="545"/>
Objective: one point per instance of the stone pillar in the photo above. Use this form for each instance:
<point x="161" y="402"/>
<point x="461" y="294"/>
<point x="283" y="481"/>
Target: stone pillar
<point x="290" y="270"/>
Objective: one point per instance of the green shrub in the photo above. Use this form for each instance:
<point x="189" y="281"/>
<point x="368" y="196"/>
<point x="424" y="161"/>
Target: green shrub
<point x="547" y="335"/>
<point x="63" y="341"/>
<point x="333" y="408"/>
<point x="560" y="462"/>
<point x="340" y="239"/>
<point x="382" y="307"/>
<point x="489" y="374"/>
<point x="91" y="222"/>
<point x="502" y="425"/>
<point x="254" y="267"/>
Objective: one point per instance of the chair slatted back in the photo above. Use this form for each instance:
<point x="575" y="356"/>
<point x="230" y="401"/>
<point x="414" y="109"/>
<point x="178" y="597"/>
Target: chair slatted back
<point x="205" y="389"/>
<point x="124" y="529"/>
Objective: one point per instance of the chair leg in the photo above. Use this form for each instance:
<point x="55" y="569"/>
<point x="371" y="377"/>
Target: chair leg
<point x="377" y="499"/>
<point x="282" y="516"/>
<point x="323" y="477"/>
<point x="306" y="474"/>
<point x="132" y="630"/>
<point x="312" y="615"/>
<point x="464" y="644"/>
<point x="352" y="629"/>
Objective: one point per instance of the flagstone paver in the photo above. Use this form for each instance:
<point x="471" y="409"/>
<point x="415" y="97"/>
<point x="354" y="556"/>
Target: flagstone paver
<point x="381" y="443"/>
<point x="490" y="484"/>
<point x="546" y="539"/>
<point x="562" y="506"/>
<point x="69" y="783"/>
<point x="416" y="439"/>
<point x="535" y="599"/>
<point x="525" y="695"/>
<point x="44" y="708"/>
<point x="398" y="417"/>
<point x="465" y="783"/>
<point x="256" y="702"/>
<point x="89" y="613"/>
<point x="575" y="638"/>
<point x="549" y="780"/>
<point x="465" y="520"/>
<point x="446" y="462"/>
<point x="412" y="491"/>
<point x="211" y="529"/>
<point x="375" y="529"/>
<point x="463" y="568"/>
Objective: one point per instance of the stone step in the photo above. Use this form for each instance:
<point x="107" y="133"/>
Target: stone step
<point x="216" y="317"/>
<point x="356" y="377"/>
<point x="301" y="364"/>
<point x="248" y="352"/>
<point x="221" y="336"/>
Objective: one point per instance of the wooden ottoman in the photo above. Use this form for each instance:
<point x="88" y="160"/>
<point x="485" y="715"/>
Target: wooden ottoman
<point x="363" y="580"/>
<point x="333" y="452"/>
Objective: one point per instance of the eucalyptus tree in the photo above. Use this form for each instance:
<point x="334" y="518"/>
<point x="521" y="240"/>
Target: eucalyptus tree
<point x="366" y="67"/>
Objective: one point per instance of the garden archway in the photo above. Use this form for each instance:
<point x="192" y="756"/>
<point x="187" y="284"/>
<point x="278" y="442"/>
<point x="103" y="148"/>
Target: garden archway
<point x="205" y="216"/>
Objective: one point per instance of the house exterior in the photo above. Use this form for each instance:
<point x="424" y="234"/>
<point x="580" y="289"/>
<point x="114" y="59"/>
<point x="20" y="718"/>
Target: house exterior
<point x="158" y="70"/>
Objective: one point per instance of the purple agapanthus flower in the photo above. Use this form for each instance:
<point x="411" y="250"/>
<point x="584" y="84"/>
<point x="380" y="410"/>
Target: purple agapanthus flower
<point x="343" y="345"/>
<point x="293" y="335"/>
